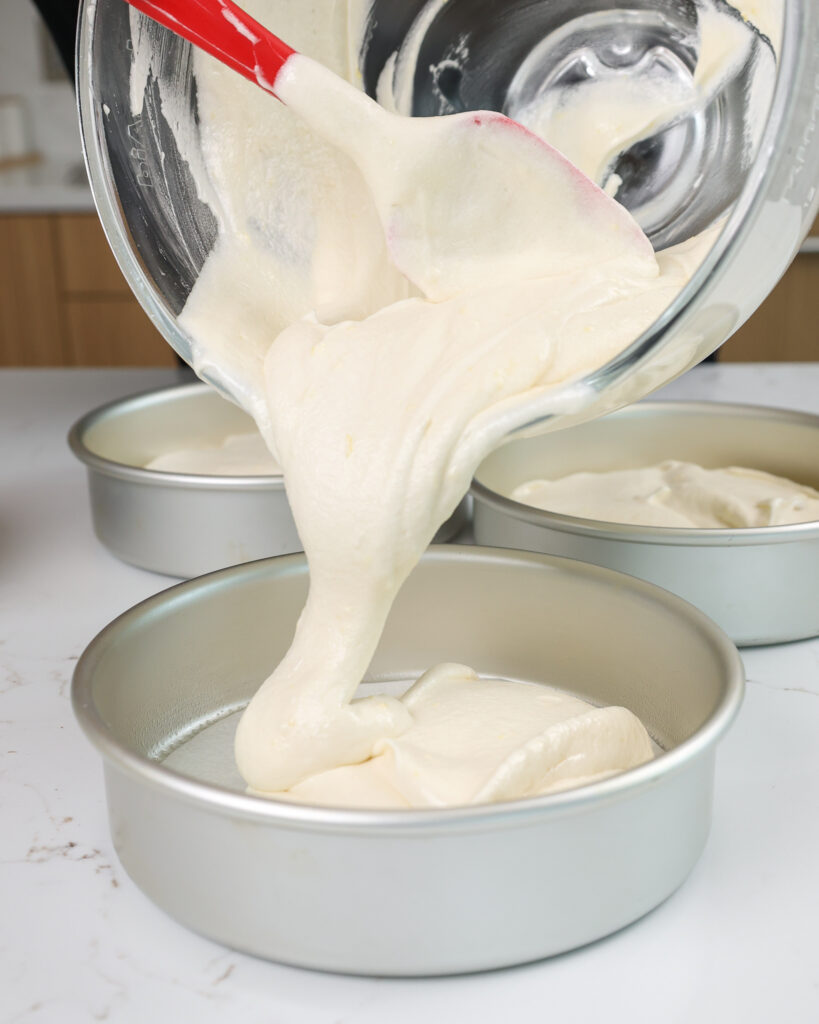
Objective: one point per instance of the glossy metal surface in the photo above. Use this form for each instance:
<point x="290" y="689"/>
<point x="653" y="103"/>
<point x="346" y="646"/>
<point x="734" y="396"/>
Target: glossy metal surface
<point x="761" y="586"/>
<point x="183" y="524"/>
<point x="412" y="892"/>
<point x="161" y="230"/>
<point x="471" y="55"/>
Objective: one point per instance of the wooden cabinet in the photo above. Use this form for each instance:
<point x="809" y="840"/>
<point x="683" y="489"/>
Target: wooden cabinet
<point x="104" y="323"/>
<point x="64" y="302"/>
<point x="86" y="263"/>
<point x="785" y="328"/>
<point x="31" y="322"/>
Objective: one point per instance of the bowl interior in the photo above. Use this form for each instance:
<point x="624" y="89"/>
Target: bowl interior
<point x="713" y="435"/>
<point x="192" y="656"/>
<point x="136" y="430"/>
<point x="138" y="97"/>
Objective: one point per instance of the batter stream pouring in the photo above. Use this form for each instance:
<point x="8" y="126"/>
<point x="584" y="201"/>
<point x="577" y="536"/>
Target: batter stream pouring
<point x="380" y="391"/>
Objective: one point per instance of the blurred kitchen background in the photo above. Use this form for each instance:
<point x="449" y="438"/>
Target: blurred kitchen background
<point x="63" y="301"/>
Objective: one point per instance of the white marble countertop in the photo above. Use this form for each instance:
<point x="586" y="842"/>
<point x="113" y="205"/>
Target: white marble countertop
<point x="80" y="943"/>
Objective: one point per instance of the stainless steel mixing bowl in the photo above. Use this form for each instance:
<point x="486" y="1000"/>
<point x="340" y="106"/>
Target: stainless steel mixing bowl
<point x="408" y="892"/>
<point x="161" y="231"/>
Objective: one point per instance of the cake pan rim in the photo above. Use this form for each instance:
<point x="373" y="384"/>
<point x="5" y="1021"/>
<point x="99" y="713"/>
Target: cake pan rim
<point x="664" y="535"/>
<point x="315" y="818"/>
<point x="156" y="477"/>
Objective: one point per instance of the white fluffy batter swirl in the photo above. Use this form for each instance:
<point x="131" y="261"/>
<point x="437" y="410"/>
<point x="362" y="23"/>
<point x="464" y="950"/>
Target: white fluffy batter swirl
<point x="379" y="403"/>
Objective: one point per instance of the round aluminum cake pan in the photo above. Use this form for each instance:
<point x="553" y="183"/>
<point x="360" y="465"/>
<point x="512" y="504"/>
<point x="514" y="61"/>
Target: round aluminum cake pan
<point x="415" y="892"/>
<point x="183" y="524"/>
<point x="760" y="585"/>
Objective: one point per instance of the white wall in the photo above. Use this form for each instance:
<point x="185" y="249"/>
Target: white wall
<point x="50" y="105"/>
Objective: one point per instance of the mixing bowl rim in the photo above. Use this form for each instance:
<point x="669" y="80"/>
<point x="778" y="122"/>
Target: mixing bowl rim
<point x="662" y="535"/>
<point x="735" y="226"/>
<point x="477" y="817"/>
<point x="77" y="442"/>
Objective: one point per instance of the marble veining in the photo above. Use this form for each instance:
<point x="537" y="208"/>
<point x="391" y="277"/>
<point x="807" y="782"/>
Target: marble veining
<point x="80" y="943"/>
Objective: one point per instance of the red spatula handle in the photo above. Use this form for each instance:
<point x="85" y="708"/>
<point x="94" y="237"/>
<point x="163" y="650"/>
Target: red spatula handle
<point x="226" y="32"/>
